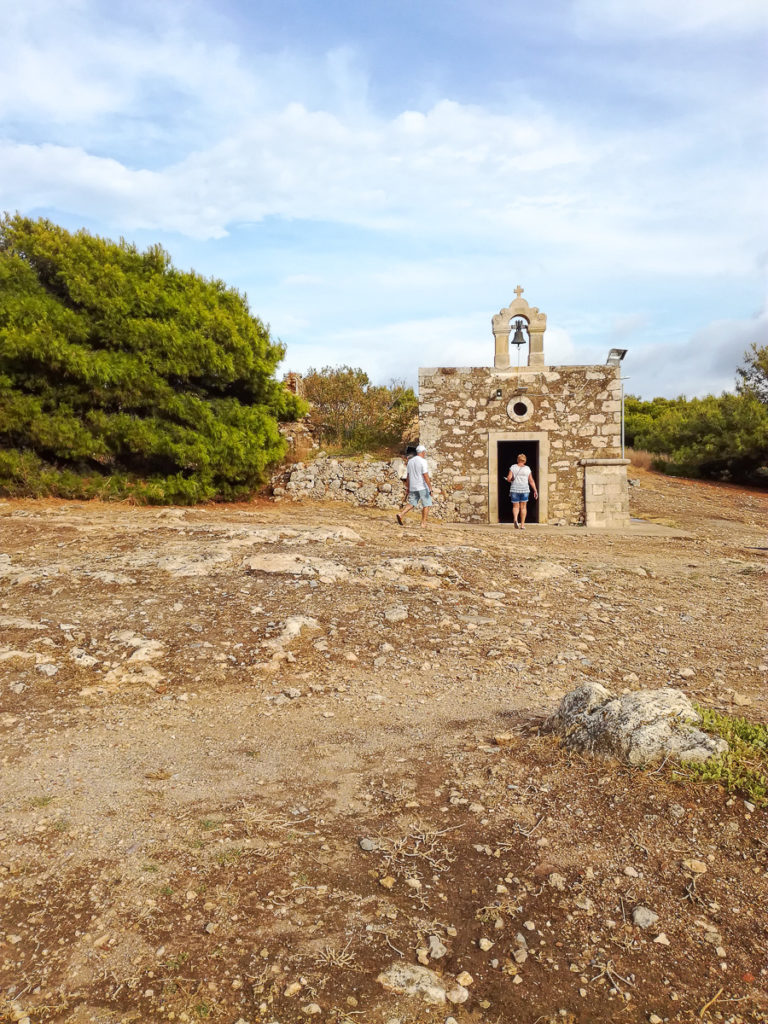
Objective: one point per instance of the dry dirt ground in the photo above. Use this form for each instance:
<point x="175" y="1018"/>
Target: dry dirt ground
<point x="203" y="713"/>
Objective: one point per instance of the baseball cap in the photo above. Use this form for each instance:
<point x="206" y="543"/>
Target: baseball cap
<point x="420" y="448"/>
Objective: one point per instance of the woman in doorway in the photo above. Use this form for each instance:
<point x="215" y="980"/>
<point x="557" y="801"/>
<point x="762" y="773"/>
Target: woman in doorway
<point x="521" y="484"/>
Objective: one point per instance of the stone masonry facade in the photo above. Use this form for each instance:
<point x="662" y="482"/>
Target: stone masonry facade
<point x="472" y="420"/>
<point x="573" y="411"/>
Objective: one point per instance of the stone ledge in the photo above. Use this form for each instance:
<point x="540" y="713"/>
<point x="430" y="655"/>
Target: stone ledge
<point x="605" y="462"/>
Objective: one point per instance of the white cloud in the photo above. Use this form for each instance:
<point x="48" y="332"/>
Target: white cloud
<point x="669" y="17"/>
<point x="704" y="364"/>
<point x="453" y="172"/>
<point x="154" y="123"/>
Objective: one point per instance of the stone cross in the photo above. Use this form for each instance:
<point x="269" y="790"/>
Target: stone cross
<point x="519" y="291"/>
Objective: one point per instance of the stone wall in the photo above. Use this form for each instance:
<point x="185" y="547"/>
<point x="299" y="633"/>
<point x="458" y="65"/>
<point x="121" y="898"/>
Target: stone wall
<point x="606" y="494"/>
<point x="574" y="412"/>
<point x="300" y="437"/>
<point x="360" y="482"/>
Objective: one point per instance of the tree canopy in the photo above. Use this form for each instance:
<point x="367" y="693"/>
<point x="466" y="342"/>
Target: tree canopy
<point x="752" y="377"/>
<point x="350" y="412"/>
<point x="723" y="437"/>
<point x="123" y="376"/>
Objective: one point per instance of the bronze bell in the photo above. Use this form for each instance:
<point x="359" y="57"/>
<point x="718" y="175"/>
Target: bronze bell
<point x="517" y="338"/>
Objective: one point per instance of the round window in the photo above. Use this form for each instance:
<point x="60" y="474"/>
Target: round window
<point x="520" y="408"/>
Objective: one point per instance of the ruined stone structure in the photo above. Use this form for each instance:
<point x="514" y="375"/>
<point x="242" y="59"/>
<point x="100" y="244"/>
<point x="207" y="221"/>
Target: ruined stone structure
<point x="565" y="419"/>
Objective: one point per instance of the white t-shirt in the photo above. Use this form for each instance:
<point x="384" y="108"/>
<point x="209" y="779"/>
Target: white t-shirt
<point x="416" y="469"/>
<point x="519" y="483"/>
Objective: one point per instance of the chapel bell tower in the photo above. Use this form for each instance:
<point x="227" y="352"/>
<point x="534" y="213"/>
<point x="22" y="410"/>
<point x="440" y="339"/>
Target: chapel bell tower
<point x="524" y="319"/>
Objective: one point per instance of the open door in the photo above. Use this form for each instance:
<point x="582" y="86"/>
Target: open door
<point x="507" y="452"/>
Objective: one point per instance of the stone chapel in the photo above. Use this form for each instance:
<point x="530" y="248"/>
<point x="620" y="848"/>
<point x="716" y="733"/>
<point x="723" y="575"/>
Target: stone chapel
<point x="567" y="421"/>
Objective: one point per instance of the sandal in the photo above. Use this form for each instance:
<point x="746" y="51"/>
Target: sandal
<point x="400" y="519"/>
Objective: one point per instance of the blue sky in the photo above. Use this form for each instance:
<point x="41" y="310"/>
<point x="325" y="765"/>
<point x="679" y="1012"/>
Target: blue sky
<point x="379" y="177"/>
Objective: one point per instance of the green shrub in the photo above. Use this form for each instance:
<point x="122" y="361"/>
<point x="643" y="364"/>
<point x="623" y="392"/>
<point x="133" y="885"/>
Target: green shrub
<point x="744" y="768"/>
<point x="122" y="377"/>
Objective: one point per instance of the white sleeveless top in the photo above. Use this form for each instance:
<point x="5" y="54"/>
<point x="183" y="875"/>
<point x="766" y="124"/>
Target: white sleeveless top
<point x="519" y="483"/>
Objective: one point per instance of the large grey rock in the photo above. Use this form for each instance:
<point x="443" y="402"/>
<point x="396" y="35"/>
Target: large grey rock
<point x="639" y="727"/>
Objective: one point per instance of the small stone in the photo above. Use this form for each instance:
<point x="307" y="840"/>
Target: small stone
<point x="504" y="739"/>
<point x="654" y="1018"/>
<point x="720" y="951"/>
<point x="557" y="881"/>
<point x="422" y="955"/>
<point x="529" y="926"/>
<point x="210" y="928"/>
<point x="293" y="989"/>
<point x="465" y="979"/>
<point x="457" y="995"/>
<point x="311" y="1008"/>
<point x="476" y="808"/>
<point x="630" y="872"/>
<point x="749" y="807"/>
<point x="686" y="673"/>
<point x="485" y="945"/>
<point x="398" y="613"/>
<point x="47" y="669"/>
<point x="697" y="867"/>
<point x="662" y="939"/>
<point x="387" y="882"/>
<point x="520" y="956"/>
<point x="413" y="883"/>
<point x="643" y="917"/>
<point x="517" y="980"/>
<point x="369" y="845"/>
<point x="436" y="948"/>
<point x="411" y="980"/>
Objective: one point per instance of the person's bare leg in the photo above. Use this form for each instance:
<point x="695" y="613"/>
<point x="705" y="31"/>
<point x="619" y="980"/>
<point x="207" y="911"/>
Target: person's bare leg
<point x="404" y="512"/>
<point x="515" y="511"/>
<point x="523" y="511"/>
<point x="424" y="514"/>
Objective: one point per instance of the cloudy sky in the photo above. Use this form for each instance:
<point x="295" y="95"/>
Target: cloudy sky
<point x="378" y="177"/>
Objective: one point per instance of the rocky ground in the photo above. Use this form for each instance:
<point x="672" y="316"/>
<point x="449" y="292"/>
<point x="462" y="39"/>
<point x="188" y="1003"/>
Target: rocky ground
<point x="278" y="762"/>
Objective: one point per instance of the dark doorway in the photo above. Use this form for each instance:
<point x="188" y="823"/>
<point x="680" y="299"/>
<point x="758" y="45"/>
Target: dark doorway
<point x="507" y="452"/>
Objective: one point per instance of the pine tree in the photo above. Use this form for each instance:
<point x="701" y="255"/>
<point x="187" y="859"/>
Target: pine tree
<point x="121" y="375"/>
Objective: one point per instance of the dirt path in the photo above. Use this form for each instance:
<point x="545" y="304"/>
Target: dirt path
<point x="203" y="712"/>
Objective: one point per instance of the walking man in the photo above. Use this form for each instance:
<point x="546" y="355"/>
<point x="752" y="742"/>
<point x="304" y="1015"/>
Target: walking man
<point x="418" y="487"/>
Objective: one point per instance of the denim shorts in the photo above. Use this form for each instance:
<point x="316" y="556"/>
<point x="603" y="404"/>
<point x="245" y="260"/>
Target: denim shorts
<point x="423" y="496"/>
<point x="517" y="496"/>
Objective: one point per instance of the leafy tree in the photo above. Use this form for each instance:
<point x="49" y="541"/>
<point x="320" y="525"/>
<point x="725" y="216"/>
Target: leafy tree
<point x="753" y="376"/>
<point x="122" y="376"/>
<point x="720" y="438"/>
<point x="640" y="416"/>
<point x="350" y="412"/>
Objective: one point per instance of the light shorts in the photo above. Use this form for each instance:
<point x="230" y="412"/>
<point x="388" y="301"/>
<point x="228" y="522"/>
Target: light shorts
<point x="423" y="496"/>
<point x="519" y="496"/>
